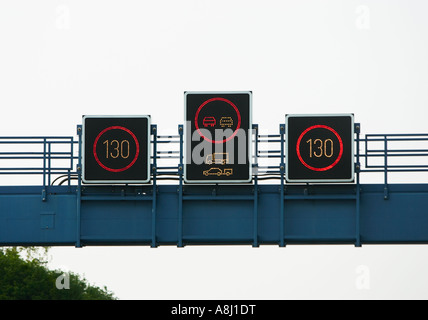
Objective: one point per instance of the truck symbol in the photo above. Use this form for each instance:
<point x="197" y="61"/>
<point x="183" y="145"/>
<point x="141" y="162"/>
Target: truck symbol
<point x="217" y="158"/>
<point x="226" y="122"/>
<point x="209" y="121"/>
<point x="218" y="172"/>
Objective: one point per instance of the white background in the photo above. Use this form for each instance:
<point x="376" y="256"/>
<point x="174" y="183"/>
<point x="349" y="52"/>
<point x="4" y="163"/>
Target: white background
<point x="62" y="59"/>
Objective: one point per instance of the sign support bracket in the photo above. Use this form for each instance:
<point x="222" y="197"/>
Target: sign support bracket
<point x="357" y="130"/>
<point x="281" y="190"/>
<point x="79" y="190"/>
<point x="256" y="188"/>
<point x="153" y="130"/>
<point x="180" y="191"/>
<point x="385" y="189"/>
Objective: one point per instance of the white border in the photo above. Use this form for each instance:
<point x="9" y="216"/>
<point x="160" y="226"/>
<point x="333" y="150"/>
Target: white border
<point x="352" y="179"/>
<point x="148" y="150"/>
<point x="249" y="139"/>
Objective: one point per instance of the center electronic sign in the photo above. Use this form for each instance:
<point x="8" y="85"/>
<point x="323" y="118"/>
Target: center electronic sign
<point x="218" y="137"/>
<point x="116" y="149"/>
<point x="320" y="148"/>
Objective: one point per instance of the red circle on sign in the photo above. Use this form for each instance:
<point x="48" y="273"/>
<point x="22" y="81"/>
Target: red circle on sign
<point x="137" y="152"/>
<point x="316" y="127"/>
<point x="218" y="99"/>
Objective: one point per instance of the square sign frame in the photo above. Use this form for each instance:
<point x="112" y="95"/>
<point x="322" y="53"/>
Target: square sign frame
<point x="319" y="144"/>
<point x="117" y="149"/>
<point x="226" y="98"/>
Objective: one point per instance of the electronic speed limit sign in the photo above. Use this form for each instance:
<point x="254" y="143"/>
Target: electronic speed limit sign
<point x="116" y="149"/>
<point x="320" y="148"/>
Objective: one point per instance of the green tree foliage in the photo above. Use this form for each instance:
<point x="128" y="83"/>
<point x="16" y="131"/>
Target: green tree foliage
<point x="28" y="278"/>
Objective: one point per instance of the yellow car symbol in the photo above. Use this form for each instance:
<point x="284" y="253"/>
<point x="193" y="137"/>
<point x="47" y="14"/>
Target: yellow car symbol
<point x="218" y="172"/>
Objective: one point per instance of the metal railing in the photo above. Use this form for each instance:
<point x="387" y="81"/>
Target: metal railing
<point x="47" y="157"/>
<point x="55" y="159"/>
<point x="388" y="151"/>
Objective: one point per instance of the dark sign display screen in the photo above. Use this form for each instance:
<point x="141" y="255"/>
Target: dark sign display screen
<point x="319" y="148"/>
<point x="116" y="149"/>
<point x="217" y="137"/>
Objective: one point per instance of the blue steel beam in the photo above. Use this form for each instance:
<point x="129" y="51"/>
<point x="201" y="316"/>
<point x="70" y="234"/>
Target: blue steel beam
<point x="252" y="214"/>
<point x="123" y="215"/>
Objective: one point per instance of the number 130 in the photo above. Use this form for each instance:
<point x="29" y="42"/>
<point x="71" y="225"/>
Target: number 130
<point x="320" y="148"/>
<point x="116" y="149"/>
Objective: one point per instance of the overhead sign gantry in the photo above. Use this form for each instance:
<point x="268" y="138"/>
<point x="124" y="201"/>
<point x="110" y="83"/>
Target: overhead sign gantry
<point x="115" y="151"/>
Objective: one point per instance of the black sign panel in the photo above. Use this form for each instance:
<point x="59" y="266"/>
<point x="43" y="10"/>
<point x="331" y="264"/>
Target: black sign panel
<point x="319" y="148"/>
<point x="217" y="137"/>
<point x="116" y="149"/>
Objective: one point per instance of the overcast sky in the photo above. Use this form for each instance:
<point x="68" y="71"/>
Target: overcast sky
<point x="62" y="59"/>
